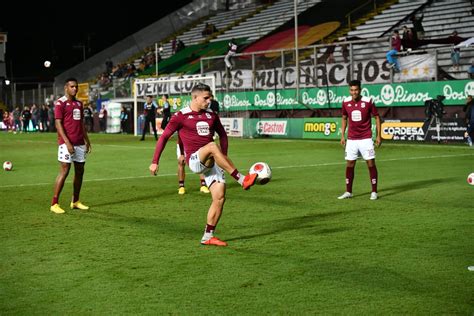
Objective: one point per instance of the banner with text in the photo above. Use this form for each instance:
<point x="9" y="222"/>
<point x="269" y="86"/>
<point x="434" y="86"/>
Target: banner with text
<point x="384" y="95"/>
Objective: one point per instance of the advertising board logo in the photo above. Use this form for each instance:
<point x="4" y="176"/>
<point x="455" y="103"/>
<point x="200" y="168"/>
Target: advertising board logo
<point x="321" y="97"/>
<point x="271" y="127"/>
<point x="227" y="101"/>
<point x="403" y="130"/>
<point x="326" y="128"/>
<point x="271" y="99"/>
<point x="469" y="88"/>
<point x="387" y="94"/>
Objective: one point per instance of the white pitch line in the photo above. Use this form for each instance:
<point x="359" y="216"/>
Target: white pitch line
<point x="279" y="167"/>
<point x="379" y="160"/>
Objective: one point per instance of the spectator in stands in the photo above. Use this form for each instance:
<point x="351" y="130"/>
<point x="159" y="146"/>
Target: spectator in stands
<point x="469" y="109"/>
<point x="408" y="40"/>
<point x="25" y="118"/>
<point x="391" y="54"/>
<point x="213" y="28"/>
<point x="16" y="119"/>
<point x="180" y="46"/>
<point x="103" y="119"/>
<point x="166" y="111"/>
<point x="44" y="118"/>
<point x="345" y="47"/>
<point x="455" y="51"/>
<point x="88" y="118"/>
<point x="124" y="120"/>
<point x="52" y="125"/>
<point x="149" y="112"/>
<point x="207" y="30"/>
<point x="6" y="121"/>
<point x="328" y="56"/>
<point x="35" y="117"/>
<point x="470" y="70"/>
<point x="173" y="45"/>
<point x="419" y="31"/>
<point x="345" y="52"/>
<point x="232" y="50"/>
<point x="109" y="65"/>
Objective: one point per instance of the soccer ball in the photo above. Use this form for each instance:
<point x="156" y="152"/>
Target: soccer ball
<point x="7" y="165"/>
<point x="263" y="171"/>
<point x="470" y="179"/>
<point x="47" y="64"/>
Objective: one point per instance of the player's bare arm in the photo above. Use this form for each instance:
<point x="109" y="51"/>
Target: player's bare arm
<point x="343" y="130"/>
<point x="378" y="138"/>
<point x="86" y="140"/>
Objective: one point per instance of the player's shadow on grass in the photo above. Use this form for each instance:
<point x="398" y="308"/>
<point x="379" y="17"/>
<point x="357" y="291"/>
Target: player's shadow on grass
<point x="411" y="186"/>
<point x="299" y="223"/>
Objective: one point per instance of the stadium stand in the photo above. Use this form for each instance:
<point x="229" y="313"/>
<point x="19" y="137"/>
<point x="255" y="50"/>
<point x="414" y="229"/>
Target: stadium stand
<point x="266" y="20"/>
<point x="455" y="14"/>
<point x="222" y="21"/>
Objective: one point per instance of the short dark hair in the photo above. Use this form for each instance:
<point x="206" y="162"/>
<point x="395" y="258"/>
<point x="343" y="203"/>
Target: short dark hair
<point x="354" y="83"/>
<point x="149" y="96"/>
<point x="166" y="95"/>
<point x="201" y="87"/>
<point x="70" y="79"/>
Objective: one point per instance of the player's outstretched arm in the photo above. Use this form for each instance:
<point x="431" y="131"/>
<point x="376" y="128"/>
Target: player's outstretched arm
<point x="153" y="169"/>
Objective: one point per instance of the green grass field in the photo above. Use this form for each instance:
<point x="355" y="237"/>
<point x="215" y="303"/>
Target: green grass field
<point x="293" y="247"/>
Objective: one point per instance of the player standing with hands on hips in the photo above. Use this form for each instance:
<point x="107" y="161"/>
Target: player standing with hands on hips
<point x="196" y="125"/>
<point x="73" y="143"/>
<point x="357" y="112"/>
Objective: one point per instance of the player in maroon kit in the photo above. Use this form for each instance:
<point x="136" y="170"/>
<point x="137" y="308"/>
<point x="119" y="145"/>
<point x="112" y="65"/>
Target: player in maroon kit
<point x="196" y="125"/>
<point x="73" y="143"/>
<point x="358" y="111"/>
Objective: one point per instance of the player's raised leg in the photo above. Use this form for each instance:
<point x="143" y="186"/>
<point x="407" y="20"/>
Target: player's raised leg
<point x="212" y="152"/>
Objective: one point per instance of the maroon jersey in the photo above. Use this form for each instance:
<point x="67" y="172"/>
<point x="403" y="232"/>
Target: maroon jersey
<point x="195" y="129"/>
<point x="71" y="114"/>
<point x="359" y="116"/>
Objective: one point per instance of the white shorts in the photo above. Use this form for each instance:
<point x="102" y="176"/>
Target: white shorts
<point x="78" y="156"/>
<point x="360" y="147"/>
<point x="211" y="175"/>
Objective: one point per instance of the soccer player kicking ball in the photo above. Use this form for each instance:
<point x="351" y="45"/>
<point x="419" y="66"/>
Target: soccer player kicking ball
<point x="358" y="110"/>
<point x="196" y="125"/>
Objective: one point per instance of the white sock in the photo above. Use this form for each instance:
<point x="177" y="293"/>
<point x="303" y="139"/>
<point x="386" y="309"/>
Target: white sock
<point x="207" y="236"/>
<point x="241" y="179"/>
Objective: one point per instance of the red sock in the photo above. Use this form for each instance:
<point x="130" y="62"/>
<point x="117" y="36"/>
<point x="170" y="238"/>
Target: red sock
<point x="373" y="177"/>
<point x="55" y="200"/>
<point x="210" y="228"/>
<point x="235" y="174"/>
<point x="349" y="178"/>
<point x="181" y="184"/>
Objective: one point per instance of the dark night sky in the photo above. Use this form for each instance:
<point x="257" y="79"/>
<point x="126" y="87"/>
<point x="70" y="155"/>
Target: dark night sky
<point x="49" y="30"/>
